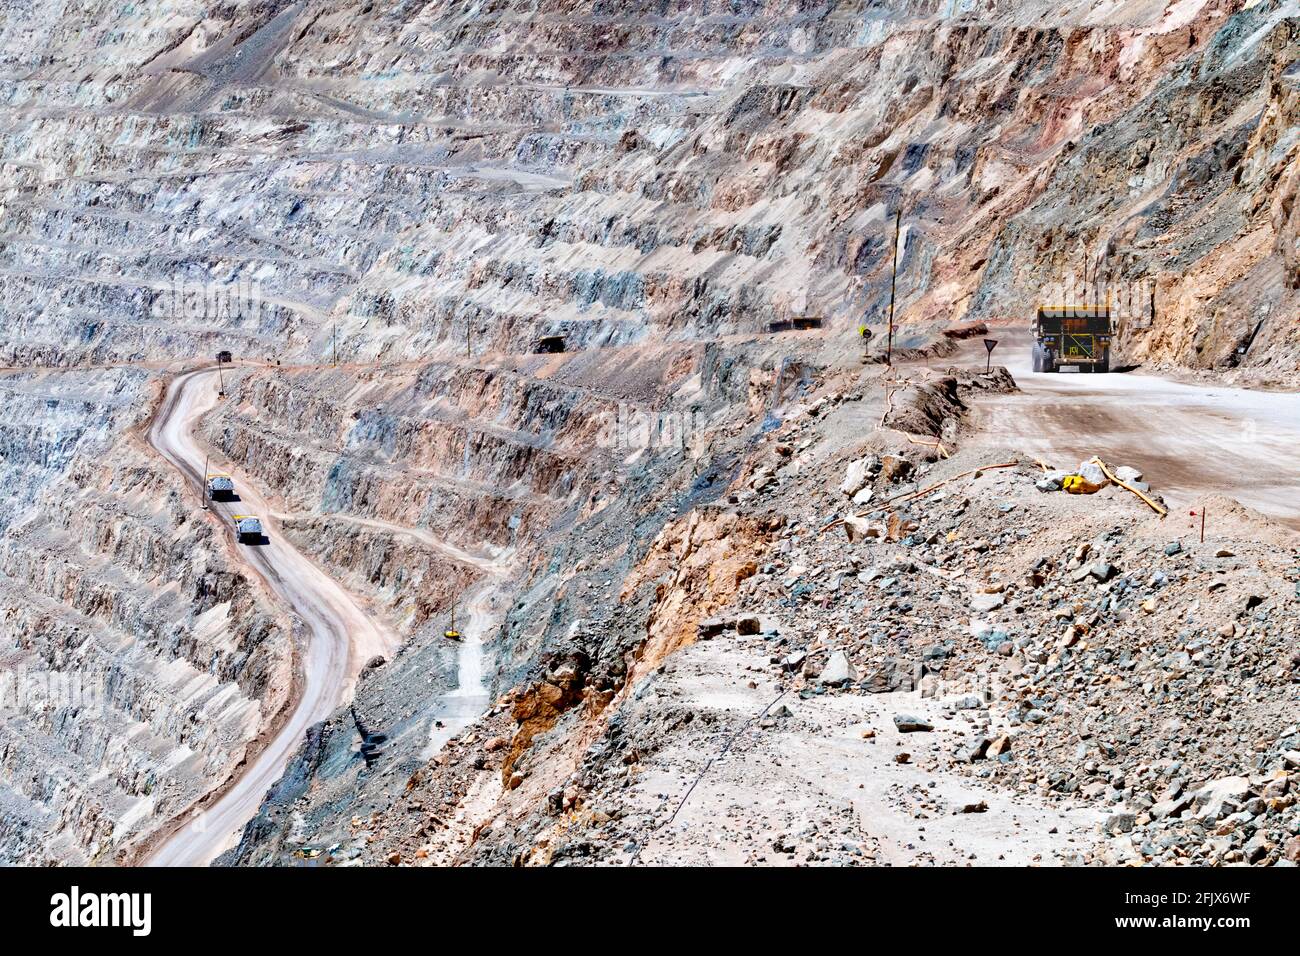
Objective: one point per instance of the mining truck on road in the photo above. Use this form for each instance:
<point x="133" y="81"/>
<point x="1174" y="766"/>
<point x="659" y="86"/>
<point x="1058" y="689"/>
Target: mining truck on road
<point x="248" y="528"/>
<point x="1077" y="335"/>
<point x="220" y="486"/>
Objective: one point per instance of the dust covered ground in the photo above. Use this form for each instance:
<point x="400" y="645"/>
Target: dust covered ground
<point x="892" y="642"/>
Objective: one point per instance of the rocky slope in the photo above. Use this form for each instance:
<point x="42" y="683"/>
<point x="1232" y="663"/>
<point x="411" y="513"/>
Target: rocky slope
<point x="511" y="275"/>
<point x="140" y="663"/>
<point x="865" y="652"/>
<point x="426" y="174"/>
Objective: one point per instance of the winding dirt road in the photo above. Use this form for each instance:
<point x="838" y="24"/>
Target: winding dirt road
<point x="342" y="637"/>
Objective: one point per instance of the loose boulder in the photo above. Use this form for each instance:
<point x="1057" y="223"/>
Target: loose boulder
<point x="910" y="724"/>
<point x="837" y="672"/>
<point x="858" y="474"/>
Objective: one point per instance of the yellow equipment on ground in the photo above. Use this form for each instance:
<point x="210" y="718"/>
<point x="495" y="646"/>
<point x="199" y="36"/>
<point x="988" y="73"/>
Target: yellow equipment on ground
<point x="451" y="633"/>
<point x="1079" y="485"/>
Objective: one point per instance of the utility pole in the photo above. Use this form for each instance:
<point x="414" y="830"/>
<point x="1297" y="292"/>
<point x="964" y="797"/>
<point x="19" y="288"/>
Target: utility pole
<point x="469" y="329"/>
<point x="893" y="284"/>
<point x="203" y="488"/>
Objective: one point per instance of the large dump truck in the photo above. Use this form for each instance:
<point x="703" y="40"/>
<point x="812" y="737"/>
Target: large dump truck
<point x="220" y="486"/>
<point x="248" y="528"/>
<point x="1077" y="335"/>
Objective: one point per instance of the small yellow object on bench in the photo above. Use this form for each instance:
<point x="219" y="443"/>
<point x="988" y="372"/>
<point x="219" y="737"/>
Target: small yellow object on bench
<point x="1078" y="485"/>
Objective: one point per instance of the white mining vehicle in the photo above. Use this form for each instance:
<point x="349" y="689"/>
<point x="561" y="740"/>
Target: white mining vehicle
<point x="248" y="528"/>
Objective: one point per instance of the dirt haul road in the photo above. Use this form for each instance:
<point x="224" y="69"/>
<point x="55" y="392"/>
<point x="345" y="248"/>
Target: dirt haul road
<point x="342" y="636"/>
<point x="1189" y="440"/>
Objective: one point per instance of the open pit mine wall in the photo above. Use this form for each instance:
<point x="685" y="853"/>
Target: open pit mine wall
<point x="275" y="177"/>
<point x="136" y="660"/>
<point x="420" y="182"/>
<point x="1180" y="208"/>
<point x="414" y="485"/>
<point x="522" y="465"/>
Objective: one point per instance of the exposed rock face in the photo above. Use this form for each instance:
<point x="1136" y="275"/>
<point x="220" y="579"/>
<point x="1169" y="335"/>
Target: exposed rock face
<point x="423" y="176"/>
<point x="531" y="236"/>
<point x="139" y="663"/>
<point x="1183" y="201"/>
<point x="697" y="564"/>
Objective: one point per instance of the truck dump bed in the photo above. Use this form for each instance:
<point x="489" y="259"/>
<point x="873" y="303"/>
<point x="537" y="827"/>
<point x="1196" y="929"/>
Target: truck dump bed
<point x="247" y="527"/>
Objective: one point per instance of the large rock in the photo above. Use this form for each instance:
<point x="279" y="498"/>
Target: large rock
<point x="1291" y="849"/>
<point x="911" y="724"/>
<point x="712" y="627"/>
<point x="973" y="750"/>
<point x="838" y="671"/>
<point x="895" y="468"/>
<point x="893" y="676"/>
<point x="1118" y="823"/>
<point x="858" y="474"/>
<point x="1092" y="474"/>
<point x="860" y="529"/>
<point x="1173" y="807"/>
<point x="1102" y="571"/>
<point x="1221" y="797"/>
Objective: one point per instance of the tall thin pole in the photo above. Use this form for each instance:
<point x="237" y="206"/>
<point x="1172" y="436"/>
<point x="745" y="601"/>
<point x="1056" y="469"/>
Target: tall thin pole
<point x="203" y="488"/>
<point x="893" y="284"/>
<point x="336" y="344"/>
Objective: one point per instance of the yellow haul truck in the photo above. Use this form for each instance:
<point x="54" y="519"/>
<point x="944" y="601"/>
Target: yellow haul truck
<point x="1077" y="335"/>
